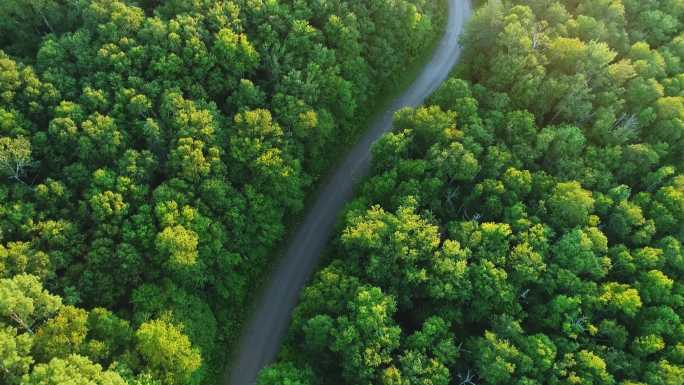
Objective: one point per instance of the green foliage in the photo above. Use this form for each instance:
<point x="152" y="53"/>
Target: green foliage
<point x="15" y="354"/>
<point x="167" y="352"/>
<point x="527" y="221"/>
<point x="570" y="205"/>
<point x="24" y="22"/>
<point x="284" y="374"/>
<point x="24" y="301"/>
<point x="73" y="369"/>
<point x="151" y="156"/>
<point x="15" y="156"/>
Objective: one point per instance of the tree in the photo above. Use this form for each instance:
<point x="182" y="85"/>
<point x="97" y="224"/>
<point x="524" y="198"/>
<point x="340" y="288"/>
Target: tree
<point x="367" y="337"/>
<point x="284" y="374"/>
<point x="21" y="258"/>
<point x="235" y="53"/>
<point x="450" y="93"/>
<point x="73" y="369"/>
<point x="24" y="302"/>
<point x="416" y="368"/>
<point x="427" y="124"/>
<point x="27" y="21"/>
<point x="585" y="368"/>
<point x="167" y="352"/>
<point x="496" y="359"/>
<point x="15" y="354"/>
<point x="435" y="339"/>
<point x="353" y="323"/>
<point x="182" y="307"/>
<point x="15" y="157"/>
<point x="570" y="205"/>
<point x="664" y="373"/>
<point x="178" y="247"/>
<point x="455" y="163"/>
<point x="620" y="298"/>
<point x="62" y="335"/>
<point x="395" y="250"/>
<point x="189" y="161"/>
<point x="582" y="252"/>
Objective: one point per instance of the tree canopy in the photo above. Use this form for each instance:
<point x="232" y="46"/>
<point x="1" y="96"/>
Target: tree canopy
<point x="152" y="154"/>
<point x="524" y="226"/>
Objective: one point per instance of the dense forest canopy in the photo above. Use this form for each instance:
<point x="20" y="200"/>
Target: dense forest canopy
<point x="151" y="154"/>
<point x="525" y="227"/>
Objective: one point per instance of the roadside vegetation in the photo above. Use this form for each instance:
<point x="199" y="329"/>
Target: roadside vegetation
<point x="151" y="155"/>
<point x="525" y="226"/>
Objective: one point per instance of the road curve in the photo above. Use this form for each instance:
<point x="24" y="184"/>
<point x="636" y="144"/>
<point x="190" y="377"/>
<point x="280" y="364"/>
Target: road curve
<point x="263" y="334"/>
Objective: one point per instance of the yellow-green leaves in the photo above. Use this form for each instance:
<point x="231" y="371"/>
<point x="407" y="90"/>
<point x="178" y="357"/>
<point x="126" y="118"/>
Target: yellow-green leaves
<point x="167" y="352"/>
<point x="570" y="205"/>
<point x="15" y="157"/>
<point x="179" y="245"/>
<point x="24" y="302"/>
<point x="72" y="370"/>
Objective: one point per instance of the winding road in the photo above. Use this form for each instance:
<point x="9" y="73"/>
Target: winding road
<point x="263" y="334"/>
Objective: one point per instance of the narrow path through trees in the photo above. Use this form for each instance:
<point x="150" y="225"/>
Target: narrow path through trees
<point x="263" y="334"/>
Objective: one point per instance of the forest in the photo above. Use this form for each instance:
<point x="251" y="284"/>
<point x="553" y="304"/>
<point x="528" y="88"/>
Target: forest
<point x="524" y="226"/>
<point x="152" y="155"/>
